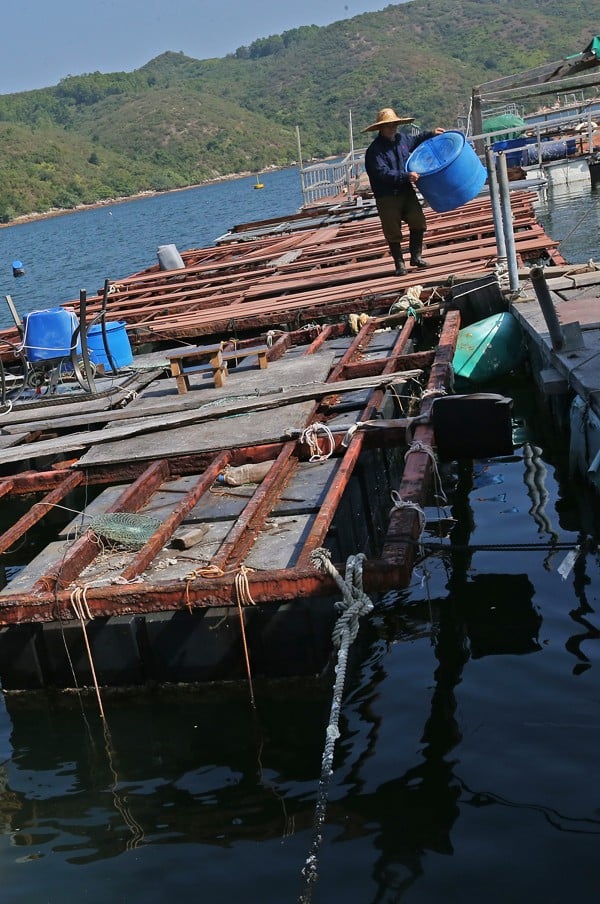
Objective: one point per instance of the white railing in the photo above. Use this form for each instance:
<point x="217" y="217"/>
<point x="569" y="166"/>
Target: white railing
<point x="334" y="179"/>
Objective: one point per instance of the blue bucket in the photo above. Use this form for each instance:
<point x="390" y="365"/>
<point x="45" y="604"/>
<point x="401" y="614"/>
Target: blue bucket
<point x="450" y="172"/>
<point x="118" y="345"/>
<point x="48" y="334"/>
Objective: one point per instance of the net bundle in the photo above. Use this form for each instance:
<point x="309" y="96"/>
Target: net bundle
<point x="127" y="529"/>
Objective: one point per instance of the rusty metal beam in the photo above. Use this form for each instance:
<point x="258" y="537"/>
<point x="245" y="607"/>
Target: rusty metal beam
<point x="243" y="534"/>
<point x="85" y="549"/>
<point x="39" y="510"/>
<point x="316" y="535"/>
<point x="403" y="529"/>
<point x="277" y="586"/>
<point x="414" y="360"/>
<point x="160" y="537"/>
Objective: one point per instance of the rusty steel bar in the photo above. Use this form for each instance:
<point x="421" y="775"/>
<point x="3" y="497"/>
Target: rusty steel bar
<point x="274" y="587"/>
<point x="402" y="531"/>
<point x="374" y="366"/>
<point x="160" y="537"/>
<point x="362" y="337"/>
<point x="243" y="534"/>
<point x="6" y="487"/>
<point x="85" y="549"/>
<point x="38" y="511"/>
<point x="329" y="506"/>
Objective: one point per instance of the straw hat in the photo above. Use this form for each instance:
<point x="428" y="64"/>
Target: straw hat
<point x="387" y="117"/>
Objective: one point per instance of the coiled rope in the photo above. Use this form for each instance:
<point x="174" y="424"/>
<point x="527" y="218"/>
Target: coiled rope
<point x="310" y="436"/>
<point x="354" y="603"/>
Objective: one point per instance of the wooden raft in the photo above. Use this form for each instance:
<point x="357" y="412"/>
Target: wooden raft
<point x="192" y="360"/>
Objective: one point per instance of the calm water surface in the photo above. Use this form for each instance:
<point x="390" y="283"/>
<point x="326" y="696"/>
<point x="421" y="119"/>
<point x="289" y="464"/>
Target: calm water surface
<point x="466" y="770"/>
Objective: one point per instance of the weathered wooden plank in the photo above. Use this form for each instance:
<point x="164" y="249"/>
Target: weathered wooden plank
<point x="139" y="426"/>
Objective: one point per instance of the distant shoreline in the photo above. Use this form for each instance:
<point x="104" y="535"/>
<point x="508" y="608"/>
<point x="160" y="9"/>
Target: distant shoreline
<point x="109" y="202"/>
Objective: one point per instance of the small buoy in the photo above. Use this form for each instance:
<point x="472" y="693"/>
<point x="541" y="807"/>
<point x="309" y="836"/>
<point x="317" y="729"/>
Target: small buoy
<point x="18" y="269"/>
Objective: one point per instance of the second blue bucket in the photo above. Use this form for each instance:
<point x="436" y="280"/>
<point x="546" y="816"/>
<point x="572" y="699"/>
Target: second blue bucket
<point x="118" y="344"/>
<point x="450" y="172"/>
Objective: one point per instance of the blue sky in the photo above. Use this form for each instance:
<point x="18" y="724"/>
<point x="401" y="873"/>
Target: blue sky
<point x="43" y="42"/>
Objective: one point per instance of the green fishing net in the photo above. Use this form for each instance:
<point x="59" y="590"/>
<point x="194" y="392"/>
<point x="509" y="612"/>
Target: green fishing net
<point x="127" y="529"/>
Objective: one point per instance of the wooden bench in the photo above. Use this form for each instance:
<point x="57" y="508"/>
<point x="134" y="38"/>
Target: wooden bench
<point x="192" y="360"/>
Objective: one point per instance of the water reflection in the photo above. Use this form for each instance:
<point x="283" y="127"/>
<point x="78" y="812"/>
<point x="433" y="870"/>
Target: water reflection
<point x="161" y="771"/>
<point x="571" y="214"/>
<point x="482" y="615"/>
<point x="581" y="614"/>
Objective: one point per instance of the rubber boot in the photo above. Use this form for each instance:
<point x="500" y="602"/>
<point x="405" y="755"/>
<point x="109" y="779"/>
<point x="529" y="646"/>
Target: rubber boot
<point x="396" y="252"/>
<point x="415" y="242"/>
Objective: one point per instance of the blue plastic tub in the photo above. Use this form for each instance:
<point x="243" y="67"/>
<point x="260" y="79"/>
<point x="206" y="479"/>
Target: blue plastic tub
<point x="449" y="169"/>
<point x="118" y="345"/>
<point x="48" y="334"/>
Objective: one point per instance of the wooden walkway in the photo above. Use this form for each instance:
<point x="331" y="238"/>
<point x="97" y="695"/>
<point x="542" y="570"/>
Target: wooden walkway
<point x="275" y="280"/>
<point x="576" y="367"/>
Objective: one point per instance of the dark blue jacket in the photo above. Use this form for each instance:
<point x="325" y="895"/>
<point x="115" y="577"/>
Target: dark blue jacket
<point x="385" y="161"/>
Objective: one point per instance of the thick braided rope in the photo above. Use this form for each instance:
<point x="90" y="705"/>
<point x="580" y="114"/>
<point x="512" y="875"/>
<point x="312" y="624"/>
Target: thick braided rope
<point x="354" y="604"/>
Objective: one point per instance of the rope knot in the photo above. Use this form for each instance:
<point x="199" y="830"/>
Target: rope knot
<point x="354" y="602"/>
<point x="310" y="436"/>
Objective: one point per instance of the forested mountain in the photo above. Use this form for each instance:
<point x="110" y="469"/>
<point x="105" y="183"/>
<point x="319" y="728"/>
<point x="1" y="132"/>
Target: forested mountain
<point x="178" y="121"/>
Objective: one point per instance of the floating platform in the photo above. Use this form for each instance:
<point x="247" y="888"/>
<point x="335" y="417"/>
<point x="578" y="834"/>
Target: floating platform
<point x="289" y="348"/>
<point x="223" y="568"/>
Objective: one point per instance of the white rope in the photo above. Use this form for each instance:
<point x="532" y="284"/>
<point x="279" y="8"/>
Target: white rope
<point x="354" y="603"/>
<point x="400" y="503"/>
<point x="418" y="446"/>
<point x="310" y="436"/>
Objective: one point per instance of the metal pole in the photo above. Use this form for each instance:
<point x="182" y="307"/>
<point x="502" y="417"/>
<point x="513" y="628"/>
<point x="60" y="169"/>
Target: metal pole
<point x="507" y="219"/>
<point x="477" y="120"/>
<point x="299" y="148"/>
<point x="496" y="209"/>
<point x="350" y="167"/>
<point x="302" y="182"/>
<point x="547" y="305"/>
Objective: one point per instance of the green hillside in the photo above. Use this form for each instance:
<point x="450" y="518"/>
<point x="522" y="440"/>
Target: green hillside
<point x="178" y="121"/>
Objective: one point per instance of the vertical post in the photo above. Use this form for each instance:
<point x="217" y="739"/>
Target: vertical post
<point x="477" y="121"/>
<point x="496" y="209"/>
<point x="105" y="342"/>
<point x="87" y="383"/>
<point x="507" y="219"/>
<point x="300" y="167"/>
<point x="299" y="147"/>
<point x="350" y="168"/>
<point x="548" y="310"/>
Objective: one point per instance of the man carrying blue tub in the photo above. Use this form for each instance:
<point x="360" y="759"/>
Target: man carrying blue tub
<point x="392" y="185"/>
